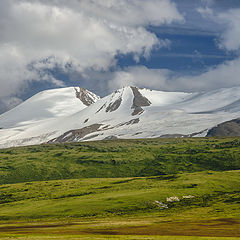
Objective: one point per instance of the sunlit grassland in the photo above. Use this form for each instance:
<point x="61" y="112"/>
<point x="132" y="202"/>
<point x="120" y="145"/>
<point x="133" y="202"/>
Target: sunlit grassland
<point x="125" y="206"/>
<point x="120" y="189"/>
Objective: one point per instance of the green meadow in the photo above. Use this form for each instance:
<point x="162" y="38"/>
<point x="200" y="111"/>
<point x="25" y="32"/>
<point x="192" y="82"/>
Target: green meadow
<point x="122" y="189"/>
<point x="118" y="158"/>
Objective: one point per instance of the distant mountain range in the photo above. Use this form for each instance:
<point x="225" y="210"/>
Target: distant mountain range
<point x="76" y="114"/>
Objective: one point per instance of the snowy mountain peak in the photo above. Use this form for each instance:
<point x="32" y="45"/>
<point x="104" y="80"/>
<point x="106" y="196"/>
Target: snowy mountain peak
<point x="130" y="112"/>
<point x="112" y="102"/>
<point x="46" y="105"/>
<point x="85" y="96"/>
<point x="130" y="97"/>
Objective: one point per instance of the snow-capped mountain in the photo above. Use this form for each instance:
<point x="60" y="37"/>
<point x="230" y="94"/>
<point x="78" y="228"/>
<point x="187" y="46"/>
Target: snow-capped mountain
<point x="48" y="104"/>
<point x="129" y="112"/>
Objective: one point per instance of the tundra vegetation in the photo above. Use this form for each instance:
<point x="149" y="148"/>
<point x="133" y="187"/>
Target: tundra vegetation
<point x="122" y="189"/>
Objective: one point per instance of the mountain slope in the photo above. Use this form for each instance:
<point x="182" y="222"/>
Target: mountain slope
<point x="42" y="108"/>
<point x="131" y="112"/>
<point x="48" y="104"/>
<point x="138" y="113"/>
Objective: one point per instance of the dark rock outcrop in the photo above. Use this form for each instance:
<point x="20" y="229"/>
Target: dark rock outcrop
<point x="76" y="135"/>
<point x="111" y="137"/>
<point x="85" y="96"/>
<point x="226" y="129"/>
<point x="114" y="106"/>
<point x="139" y="101"/>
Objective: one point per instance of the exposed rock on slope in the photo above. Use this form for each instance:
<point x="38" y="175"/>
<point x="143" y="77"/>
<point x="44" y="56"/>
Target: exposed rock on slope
<point x="226" y="129"/>
<point x="139" y="101"/>
<point x="76" y="135"/>
<point x="113" y="102"/>
<point x="85" y="96"/>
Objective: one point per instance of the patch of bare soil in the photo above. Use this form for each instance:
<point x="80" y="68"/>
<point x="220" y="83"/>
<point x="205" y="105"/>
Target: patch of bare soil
<point x="211" y="228"/>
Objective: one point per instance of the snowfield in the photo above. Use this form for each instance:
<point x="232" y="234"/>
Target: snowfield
<point x="44" y="105"/>
<point x="58" y="115"/>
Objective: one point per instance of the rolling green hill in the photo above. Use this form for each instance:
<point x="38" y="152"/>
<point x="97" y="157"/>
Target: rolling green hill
<point x="118" y="158"/>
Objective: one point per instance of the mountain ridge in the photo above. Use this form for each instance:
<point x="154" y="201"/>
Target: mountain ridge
<point x="129" y="112"/>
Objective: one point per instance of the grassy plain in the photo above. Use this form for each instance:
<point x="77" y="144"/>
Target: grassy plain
<point x="124" y="189"/>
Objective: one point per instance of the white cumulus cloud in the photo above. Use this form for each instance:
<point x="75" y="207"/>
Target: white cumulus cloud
<point x="230" y="19"/>
<point x="37" y="34"/>
<point x="230" y="39"/>
<point x="221" y="76"/>
<point x="141" y="76"/>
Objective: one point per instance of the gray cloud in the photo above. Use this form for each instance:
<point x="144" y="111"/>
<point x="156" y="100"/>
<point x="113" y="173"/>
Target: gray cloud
<point x="8" y="103"/>
<point x="84" y="34"/>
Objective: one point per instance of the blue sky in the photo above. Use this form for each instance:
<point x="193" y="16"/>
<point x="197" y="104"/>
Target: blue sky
<point x="193" y="43"/>
<point x="192" y="53"/>
<point x="171" y="45"/>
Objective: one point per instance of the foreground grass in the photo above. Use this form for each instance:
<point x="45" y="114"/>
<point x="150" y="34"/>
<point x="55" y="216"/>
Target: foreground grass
<point x="226" y="228"/>
<point x="208" y="206"/>
<point x="211" y="194"/>
<point x="109" y="237"/>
